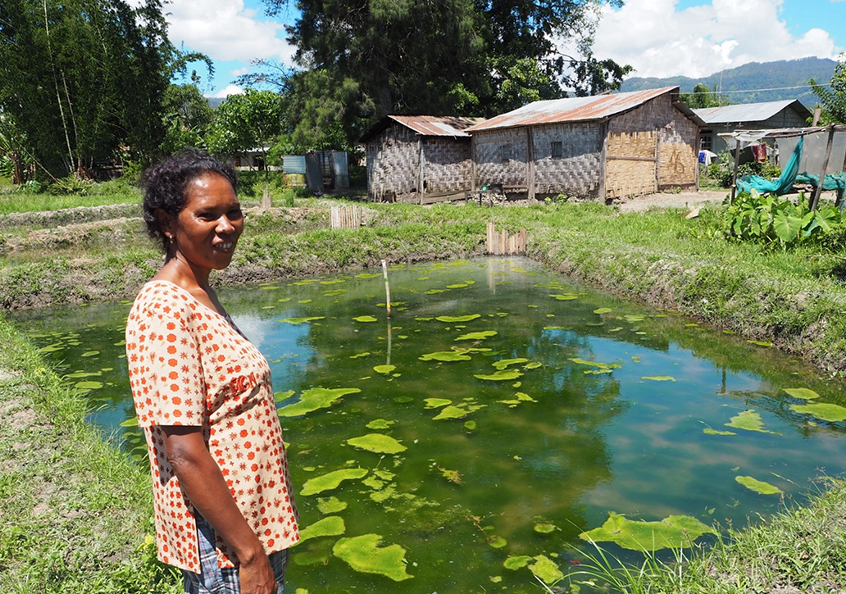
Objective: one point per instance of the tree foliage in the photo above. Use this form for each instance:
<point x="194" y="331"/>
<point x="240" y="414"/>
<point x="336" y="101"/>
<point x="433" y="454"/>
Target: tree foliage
<point x="833" y="101"/>
<point x="701" y="97"/>
<point x="242" y="123"/>
<point x="83" y="78"/>
<point x="364" y="59"/>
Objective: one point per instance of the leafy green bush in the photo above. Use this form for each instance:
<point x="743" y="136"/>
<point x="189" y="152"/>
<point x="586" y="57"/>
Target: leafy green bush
<point x="778" y="221"/>
<point x="72" y="185"/>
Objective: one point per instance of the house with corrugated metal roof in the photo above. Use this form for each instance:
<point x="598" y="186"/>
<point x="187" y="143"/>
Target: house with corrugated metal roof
<point x="608" y="146"/>
<point x="418" y="159"/>
<point x="769" y="115"/>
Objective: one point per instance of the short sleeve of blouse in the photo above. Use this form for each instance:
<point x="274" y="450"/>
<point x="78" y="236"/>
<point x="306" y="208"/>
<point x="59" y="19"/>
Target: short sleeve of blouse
<point x="163" y="356"/>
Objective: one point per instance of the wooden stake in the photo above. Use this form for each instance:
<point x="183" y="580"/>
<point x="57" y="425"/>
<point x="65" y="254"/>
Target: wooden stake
<point x="387" y="288"/>
<point x="734" y="175"/>
<point x="818" y="189"/>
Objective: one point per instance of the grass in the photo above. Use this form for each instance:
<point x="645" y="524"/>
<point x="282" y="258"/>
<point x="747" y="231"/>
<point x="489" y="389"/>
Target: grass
<point x="799" y="550"/>
<point x="795" y="299"/>
<point x="76" y="511"/>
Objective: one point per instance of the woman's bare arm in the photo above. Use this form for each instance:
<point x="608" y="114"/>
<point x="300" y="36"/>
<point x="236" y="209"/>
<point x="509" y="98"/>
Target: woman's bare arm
<point x="201" y="479"/>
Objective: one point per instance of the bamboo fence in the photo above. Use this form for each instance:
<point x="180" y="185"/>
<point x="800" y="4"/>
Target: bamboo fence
<point x="501" y="243"/>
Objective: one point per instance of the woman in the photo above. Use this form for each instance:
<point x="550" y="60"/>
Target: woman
<point x="224" y="506"/>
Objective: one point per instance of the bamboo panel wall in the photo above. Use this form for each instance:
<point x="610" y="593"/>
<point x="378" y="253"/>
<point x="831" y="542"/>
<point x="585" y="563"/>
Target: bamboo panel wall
<point x="447" y="165"/>
<point x="490" y="168"/>
<point x="345" y="217"/>
<point x="578" y="171"/>
<point x="392" y="164"/>
<point x="676" y="153"/>
<point x="502" y="243"/>
<point x="630" y="164"/>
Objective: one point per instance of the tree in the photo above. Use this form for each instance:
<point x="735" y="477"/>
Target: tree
<point x="187" y="118"/>
<point x="82" y="78"/>
<point x="833" y="101"/>
<point x="702" y="96"/>
<point x="364" y="59"/>
<point x="246" y="122"/>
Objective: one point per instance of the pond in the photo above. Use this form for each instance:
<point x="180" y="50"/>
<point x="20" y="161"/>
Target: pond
<point x="499" y="417"/>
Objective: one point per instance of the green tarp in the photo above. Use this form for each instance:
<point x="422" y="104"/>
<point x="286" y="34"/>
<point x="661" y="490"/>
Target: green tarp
<point x="778" y="186"/>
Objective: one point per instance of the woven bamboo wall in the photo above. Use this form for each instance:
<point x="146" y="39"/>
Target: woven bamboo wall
<point x="630" y="164"/>
<point x="490" y="168"/>
<point x="577" y="171"/>
<point x="670" y="137"/>
<point x="392" y="164"/>
<point x="447" y="165"/>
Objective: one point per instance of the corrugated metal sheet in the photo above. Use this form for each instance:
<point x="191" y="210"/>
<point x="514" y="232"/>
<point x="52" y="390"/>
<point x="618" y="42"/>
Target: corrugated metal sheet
<point x="573" y="109"/>
<point x="748" y="112"/>
<point x="451" y="126"/>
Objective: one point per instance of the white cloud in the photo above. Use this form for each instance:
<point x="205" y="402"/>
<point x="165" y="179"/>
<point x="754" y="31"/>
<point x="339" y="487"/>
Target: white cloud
<point x="225" y="30"/>
<point x="229" y="90"/>
<point x="659" y="40"/>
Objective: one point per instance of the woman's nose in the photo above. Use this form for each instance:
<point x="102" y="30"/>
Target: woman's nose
<point x="224" y="225"/>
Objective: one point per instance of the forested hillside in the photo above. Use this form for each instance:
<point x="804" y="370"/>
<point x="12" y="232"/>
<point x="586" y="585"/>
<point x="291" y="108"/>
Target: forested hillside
<point x="747" y="83"/>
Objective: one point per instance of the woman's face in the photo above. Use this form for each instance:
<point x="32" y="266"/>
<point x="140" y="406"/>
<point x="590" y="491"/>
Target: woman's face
<point x="207" y="229"/>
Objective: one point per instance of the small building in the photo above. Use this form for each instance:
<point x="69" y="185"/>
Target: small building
<point x="418" y="159"/>
<point x="769" y="115"/>
<point x="609" y="146"/>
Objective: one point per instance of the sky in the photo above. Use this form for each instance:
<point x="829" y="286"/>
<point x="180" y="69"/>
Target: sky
<point x="659" y="38"/>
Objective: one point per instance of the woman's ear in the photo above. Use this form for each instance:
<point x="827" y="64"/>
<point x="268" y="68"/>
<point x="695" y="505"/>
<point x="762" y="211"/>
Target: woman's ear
<point x="166" y="222"/>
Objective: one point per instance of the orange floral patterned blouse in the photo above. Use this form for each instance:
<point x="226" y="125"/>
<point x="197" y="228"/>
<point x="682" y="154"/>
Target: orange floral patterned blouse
<point x="189" y="365"/>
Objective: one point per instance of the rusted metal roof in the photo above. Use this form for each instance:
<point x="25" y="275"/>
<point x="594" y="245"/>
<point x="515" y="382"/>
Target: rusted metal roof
<point x="572" y="109"/>
<point x="445" y="126"/>
<point x="749" y="112"/>
<point x="437" y="125"/>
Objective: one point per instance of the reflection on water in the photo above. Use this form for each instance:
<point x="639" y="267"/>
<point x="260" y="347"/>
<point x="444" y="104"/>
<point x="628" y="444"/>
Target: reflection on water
<point x="606" y="410"/>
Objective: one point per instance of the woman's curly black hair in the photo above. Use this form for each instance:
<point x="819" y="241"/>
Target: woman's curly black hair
<point x="166" y="183"/>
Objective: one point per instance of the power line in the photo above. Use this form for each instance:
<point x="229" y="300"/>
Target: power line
<point x="726" y="91"/>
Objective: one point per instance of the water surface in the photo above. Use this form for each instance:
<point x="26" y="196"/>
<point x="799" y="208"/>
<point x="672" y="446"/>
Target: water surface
<point x="610" y="407"/>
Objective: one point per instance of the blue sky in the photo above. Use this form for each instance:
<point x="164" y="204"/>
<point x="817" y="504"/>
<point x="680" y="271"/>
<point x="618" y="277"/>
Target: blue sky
<point x="658" y="37"/>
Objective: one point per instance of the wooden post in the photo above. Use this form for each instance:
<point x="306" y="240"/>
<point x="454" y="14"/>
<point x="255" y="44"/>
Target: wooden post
<point x="387" y="288"/>
<point x="817" y="114"/>
<point x="734" y="175"/>
<point x="420" y="170"/>
<point x="818" y="190"/>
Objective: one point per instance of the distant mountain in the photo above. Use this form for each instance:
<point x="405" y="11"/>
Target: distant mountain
<point x="749" y="83"/>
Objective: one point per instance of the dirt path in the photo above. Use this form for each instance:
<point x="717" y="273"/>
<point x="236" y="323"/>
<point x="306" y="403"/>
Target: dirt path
<point x="671" y="200"/>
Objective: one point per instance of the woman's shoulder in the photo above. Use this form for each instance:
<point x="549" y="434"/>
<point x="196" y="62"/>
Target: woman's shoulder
<point x="164" y="297"/>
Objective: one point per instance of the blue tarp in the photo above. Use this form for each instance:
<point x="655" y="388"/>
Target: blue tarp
<point x="778" y="186"/>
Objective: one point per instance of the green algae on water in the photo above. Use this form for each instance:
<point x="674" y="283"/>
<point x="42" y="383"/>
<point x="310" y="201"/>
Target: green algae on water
<point x="758" y="486"/>
<point x="315" y="399"/>
<point x="673" y="532"/>
<point x="546" y="570"/>
<point x="365" y="319"/>
<point x="458" y="319"/>
<point x="384" y="369"/>
<point x="330" y="505"/>
<point x="328" y="526"/>
<point x="826" y="412"/>
<point x="477" y="335"/>
<point x="364" y="555"/>
<point x="446" y="356"/>
<point x="749" y="420"/>
<point x="377" y="443"/>
<point x="504" y="363"/>
<point x="802" y="393"/>
<point x="436" y="402"/>
<point x="377" y="424"/>
<point x="658" y="378"/>
<point x="297" y="321"/>
<point x="332" y="480"/>
<point x="282" y="396"/>
<point x="503" y="375"/>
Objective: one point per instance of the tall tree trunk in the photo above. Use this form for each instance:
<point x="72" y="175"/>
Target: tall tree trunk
<point x="70" y="160"/>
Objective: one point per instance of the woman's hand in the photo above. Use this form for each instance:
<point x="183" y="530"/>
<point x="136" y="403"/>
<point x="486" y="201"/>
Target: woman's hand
<point x="257" y="577"/>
